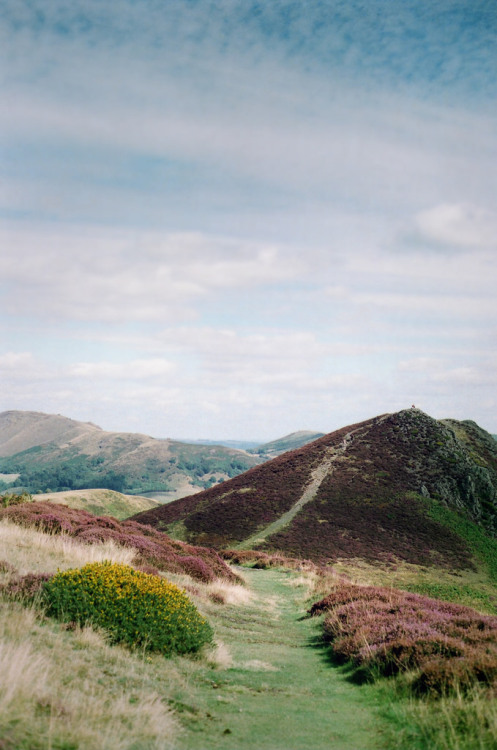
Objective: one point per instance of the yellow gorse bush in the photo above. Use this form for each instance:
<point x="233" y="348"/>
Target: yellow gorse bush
<point x="136" y="608"/>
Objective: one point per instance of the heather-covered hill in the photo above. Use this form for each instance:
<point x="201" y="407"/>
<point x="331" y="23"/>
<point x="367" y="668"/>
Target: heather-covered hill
<point x="47" y="453"/>
<point x="374" y="490"/>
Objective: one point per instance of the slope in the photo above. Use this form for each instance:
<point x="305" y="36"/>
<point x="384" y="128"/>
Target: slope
<point x="100" y="502"/>
<point x="365" y="491"/>
<point x="46" y="453"/>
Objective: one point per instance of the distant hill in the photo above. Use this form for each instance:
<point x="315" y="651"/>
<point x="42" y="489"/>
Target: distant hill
<point x="284" y="444"/>
<point x="241" y="445"/>
<point x="46" y="453"/>
<point x="388" y="488"/>
<point x="100" y="502"/>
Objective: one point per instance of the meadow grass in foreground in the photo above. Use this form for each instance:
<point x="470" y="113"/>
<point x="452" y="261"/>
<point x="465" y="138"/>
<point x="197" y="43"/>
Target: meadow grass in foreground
<point x="267" y="683"/>
<point x="64" y="685"/>
<point x="80" y="692"/>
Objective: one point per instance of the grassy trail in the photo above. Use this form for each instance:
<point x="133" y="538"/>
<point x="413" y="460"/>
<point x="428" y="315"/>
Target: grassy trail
<point x="281" y="692"/>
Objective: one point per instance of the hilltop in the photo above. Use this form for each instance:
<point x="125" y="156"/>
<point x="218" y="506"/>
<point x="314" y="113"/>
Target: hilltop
<point x="376" y="490"/>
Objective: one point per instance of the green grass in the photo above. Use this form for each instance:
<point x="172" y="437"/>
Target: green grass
<point x="280" y="692"/>
<point x="483" y="547"/>
<point x="470" y="596"/>
<point x="269" y="685"/>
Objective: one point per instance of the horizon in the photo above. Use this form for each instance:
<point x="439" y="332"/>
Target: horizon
<point x="255" y="442"/>
<point x="237" y="218"/>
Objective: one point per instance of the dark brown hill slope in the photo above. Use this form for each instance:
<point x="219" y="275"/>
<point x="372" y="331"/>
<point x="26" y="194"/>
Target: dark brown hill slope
<point x="362" y="491"/>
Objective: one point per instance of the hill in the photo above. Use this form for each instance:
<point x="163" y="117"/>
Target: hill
<point x="100" y="502"/>
<point x="392" y="487"/>
<point x="47" y="453"/>
<point x="284" y="444"/>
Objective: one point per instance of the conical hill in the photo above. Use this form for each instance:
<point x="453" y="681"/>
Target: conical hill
<point x="365" y="491"/>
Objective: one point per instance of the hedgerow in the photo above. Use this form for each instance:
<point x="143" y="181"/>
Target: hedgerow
<point x="137" y="609"/>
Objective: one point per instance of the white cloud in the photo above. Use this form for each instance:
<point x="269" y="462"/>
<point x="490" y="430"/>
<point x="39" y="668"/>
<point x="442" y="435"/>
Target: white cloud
<point x="118" y="276"/>
<point x="138" y="369"/>
<point x="218" y="232"/>
<point x="458" y="225"/>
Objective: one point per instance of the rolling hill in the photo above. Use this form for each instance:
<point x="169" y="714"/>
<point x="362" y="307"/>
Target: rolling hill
<point x="284" y="444"/>
<point x="397" y="486"/>
<point x="46" y="453"/>
<point x="100" y="502"/>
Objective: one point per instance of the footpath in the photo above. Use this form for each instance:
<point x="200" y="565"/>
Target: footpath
<point x="281" y="692"/>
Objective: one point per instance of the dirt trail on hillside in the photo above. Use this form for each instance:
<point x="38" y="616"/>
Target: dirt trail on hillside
<point x="324" y="469"/>
<point x="281" y="692"/>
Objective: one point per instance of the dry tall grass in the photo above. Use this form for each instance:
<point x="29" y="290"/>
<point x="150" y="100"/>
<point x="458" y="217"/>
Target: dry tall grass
<point x="51" y="686"/>
<point x="67" y="687"/>
<point x="51" y="693"/>
<point x="30" y="550"/>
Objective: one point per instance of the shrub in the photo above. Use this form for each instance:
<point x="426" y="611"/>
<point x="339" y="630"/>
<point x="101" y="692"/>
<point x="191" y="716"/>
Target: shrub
<point x="7" y="500"/>
<point x="27" y="587"/>
<point x="138" y="609"/>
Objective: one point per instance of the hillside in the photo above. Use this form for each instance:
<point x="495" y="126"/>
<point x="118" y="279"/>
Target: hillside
<point x="100" y="502"/>
<point x="384" y="489"/>
<point x="47" y="453"/>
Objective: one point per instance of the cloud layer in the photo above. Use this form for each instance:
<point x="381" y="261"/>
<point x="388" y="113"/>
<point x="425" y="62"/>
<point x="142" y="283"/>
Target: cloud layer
<point x="235" y="219"/>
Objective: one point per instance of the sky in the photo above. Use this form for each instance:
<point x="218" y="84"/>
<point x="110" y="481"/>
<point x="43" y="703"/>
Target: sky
<point x="229" y="219"/>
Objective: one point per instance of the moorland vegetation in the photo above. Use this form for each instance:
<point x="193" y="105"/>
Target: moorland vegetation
<point x="382" y="637"/>
<point x="378" y="488"/>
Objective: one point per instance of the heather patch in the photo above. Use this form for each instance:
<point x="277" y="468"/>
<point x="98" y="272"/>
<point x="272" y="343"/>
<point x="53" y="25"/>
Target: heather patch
<point x="25" y="587"/>
<point x="234" y="510"/>
<point x="154" y="548"/>
<point x="385" y="631"/>
<point x="136" y="608"/>
<point x="337" y="525"/>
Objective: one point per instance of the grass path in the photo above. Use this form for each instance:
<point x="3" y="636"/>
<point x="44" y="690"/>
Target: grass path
<point x="281" y="692"/>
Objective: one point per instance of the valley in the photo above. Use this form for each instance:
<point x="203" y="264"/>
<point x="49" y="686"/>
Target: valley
<point x="46" y="453"/>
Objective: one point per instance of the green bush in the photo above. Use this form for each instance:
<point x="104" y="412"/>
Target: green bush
<point x="136" y="608"/>
<point x="7" y="500"/>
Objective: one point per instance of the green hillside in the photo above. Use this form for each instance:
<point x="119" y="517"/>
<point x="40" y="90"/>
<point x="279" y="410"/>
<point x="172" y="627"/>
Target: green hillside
<point x="43" y="453"/>
<point x="101" y="502"/>
<point x="287" y="443"/>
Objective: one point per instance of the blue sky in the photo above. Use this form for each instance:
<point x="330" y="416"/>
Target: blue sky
<point x="236" y="219"/>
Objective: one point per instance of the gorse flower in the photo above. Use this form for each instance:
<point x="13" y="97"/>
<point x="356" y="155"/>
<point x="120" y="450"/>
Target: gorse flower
<point x="137" y="608"/>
